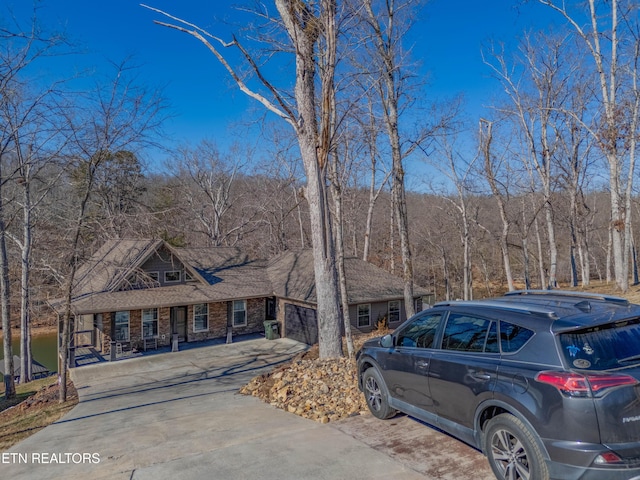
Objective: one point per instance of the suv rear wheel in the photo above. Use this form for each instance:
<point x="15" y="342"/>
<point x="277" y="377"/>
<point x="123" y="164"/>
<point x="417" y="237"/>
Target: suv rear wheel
<point x="513" y="451"/>
<point x="375" y="392"/>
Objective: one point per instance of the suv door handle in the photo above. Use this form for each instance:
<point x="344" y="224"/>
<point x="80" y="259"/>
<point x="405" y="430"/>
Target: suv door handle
<point x="422" y="364"/>
<point x="482" y="377"/>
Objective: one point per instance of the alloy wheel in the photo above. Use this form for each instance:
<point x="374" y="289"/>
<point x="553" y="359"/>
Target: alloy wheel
<point x="374" y="394"/>
<point x="510" y="456"/>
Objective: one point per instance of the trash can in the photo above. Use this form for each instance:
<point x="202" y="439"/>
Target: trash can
<point x="271" y="329"/>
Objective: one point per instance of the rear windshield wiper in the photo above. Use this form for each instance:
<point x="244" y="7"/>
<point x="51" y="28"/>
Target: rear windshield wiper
<point x="630" y="359"/>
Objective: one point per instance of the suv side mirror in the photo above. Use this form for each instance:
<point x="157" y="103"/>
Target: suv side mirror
<point x="386" y="341"/>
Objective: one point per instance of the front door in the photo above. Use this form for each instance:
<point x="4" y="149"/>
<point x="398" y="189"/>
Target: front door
<point x="179" y="322"/>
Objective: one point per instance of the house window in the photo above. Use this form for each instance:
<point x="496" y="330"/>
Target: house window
<point x="153" y="276"/>
<point x="122" y="327"/>
<point x="150" y="323"/>
<point x="201" y="317"/>
<point x="172" y="276"/>
<point x="239" y="313"/>
<point x="394" y="311"/>
<point x="364" y="315"/>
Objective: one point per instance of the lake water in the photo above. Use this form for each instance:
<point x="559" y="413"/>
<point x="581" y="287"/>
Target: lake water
<point x="43" y="346"/>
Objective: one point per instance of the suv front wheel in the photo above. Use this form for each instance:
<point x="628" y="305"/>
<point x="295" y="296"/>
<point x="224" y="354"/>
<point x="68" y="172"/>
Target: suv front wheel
<point x="375" y="392"/>
<point x="513" y="451"/>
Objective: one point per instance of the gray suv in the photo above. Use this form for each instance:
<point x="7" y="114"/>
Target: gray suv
<point x="544" y="383"/>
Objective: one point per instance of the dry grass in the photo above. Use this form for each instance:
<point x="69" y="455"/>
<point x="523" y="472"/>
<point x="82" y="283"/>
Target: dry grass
<point x="633" y="294"/>
<point x="35" y="407"/>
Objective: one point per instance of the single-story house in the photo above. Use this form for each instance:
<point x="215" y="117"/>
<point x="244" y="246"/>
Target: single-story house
<point x="140" y="294"/>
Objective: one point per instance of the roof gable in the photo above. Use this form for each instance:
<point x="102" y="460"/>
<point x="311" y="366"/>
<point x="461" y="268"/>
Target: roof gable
<point x="111" y="265"/>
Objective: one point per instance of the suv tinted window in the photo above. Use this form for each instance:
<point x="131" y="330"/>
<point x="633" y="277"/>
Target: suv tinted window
<point x="513" y="337"/>
<point x="603" y="347"/>
<point x="420" y="332"/>
<point x="465" y="333"/>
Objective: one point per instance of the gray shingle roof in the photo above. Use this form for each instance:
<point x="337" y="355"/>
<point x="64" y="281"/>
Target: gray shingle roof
<point x="223" y="274"/>
<point x="218" y="263"/>
<point x="368" y="283"/>
<point x="36" y="368"/>
<point x="187" y="294"/>
<point x="292" y="276"/>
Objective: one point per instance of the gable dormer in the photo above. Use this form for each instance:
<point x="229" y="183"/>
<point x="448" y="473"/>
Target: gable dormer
<point x="162" y="269"/>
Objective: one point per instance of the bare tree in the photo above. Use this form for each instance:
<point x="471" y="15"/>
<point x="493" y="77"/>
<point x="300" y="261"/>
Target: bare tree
<point x="118" y="187"/>
<point x="575" y="162"/>
<point x="458" y="170"/>
<point x="370" y="133"/>
<point x="21" y="47"/>
<point x="536" y="91"/>
<point x="310" y="29"/>
<point x="605" y="38"/>
<point x="387" y="23"/>
<point x="208" y="179"/>
<point x="117" y="116"/>
<point x="36" y="142"/>
<point x="280" y="206"/>
<point x="486" y="138"/>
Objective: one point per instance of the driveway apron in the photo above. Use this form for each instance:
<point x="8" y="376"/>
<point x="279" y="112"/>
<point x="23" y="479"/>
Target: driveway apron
<point x="178" y="415"/>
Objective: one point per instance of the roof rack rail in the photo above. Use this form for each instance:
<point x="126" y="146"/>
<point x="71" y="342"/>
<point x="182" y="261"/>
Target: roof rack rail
<point x="529" y="309"/>
<point x="571" y="293"/>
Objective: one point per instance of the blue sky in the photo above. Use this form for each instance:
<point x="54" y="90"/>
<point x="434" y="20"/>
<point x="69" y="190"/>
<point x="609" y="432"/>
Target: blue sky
<point x="448" y="39"/>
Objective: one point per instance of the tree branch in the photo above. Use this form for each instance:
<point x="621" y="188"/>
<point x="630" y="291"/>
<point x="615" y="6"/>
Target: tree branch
<point x="283" y="111"/>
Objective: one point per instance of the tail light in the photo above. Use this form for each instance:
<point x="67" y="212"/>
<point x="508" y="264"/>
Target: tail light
<point x="608" y="458"/>
<point x="592" y="385"/>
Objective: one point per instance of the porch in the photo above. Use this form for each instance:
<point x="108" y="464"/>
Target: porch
<point x="88" y="355"/>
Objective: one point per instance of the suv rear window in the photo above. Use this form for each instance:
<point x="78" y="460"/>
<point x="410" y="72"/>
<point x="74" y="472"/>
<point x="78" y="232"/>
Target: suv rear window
<point x="604" y="347"/>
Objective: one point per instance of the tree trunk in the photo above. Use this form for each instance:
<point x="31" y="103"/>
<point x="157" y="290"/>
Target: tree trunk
<point x="63" y="353"/>
<point x="445" y="274"/>
<point x="392" y="236"/>
<point x="543" y="275"/>
<point x="573" y="214"/>
<point x="314" y="149"/>
<point x="389" y="93"/>
<point x="336" y="191"/>
<point x="553" y="248"/>
<point x="608" y="254"/>
<point x="467" y="282"/>
<point x="25" y="304"/>
<point x="491" y="178"/>
<point x="9" y="383"/>
<point x="373" y="196"/>
<point x="525" y="263"/>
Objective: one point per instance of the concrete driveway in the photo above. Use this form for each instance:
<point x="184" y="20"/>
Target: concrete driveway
<point x="178" y="415"/>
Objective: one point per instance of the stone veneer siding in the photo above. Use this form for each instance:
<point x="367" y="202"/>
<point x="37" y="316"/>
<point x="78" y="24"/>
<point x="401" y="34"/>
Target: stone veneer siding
<point x="256" y="315"/>
<point x="218" y="320"/>
<point x="217" y="323"/>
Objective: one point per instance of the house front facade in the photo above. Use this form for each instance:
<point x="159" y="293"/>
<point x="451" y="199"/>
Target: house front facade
<point x="140" y="294"/>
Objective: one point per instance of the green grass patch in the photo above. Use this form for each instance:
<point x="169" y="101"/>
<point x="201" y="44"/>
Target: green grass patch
<point x="24" y="391"/>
